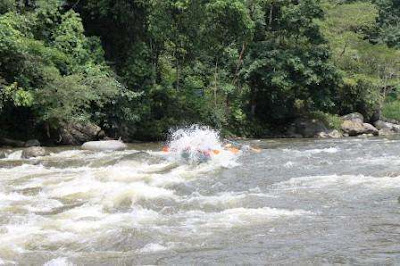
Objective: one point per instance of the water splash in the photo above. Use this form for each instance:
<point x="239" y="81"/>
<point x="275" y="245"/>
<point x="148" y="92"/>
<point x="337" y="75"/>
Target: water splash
<point x="197" y="144"/>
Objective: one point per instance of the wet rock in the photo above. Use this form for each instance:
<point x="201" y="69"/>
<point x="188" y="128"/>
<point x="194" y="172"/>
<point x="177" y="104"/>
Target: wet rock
<point x="355" y="117"/>
<point x="332" y="134"/>
<point x="12" y="142"/>
<point x="33" y="152"/>
<point x="77" y="133"/>
<point x="104" y="145"/>
<point x="335" y="134"/>
<point x="32" y="143"/>
<point x="3" y="155"/>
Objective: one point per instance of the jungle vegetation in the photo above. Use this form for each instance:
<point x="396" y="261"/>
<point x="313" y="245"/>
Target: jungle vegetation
<point x="140" y="67"/>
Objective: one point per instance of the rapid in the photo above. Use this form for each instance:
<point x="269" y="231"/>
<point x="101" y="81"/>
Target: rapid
<point x="295" y="202"/>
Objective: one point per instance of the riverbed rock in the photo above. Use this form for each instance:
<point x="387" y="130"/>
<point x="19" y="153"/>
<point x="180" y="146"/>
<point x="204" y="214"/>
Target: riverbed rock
<point x="104" y="145"/>
<point x="33" y="152"/>
<point x="355" y="117"/>
<point x="77" y="133"/>
<point x="32" y="143"/>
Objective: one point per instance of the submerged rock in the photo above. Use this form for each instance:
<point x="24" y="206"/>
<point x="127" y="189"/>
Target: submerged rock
<point x="33" y="152"/>
<point x="104" y="145"/>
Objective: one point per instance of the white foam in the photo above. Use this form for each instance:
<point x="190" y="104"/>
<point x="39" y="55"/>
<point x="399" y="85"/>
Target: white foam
<point x="153" y="247"/>
<point x="189" y="145"/>
<point x="60" y="261"/>
<point x="339" y="181"/>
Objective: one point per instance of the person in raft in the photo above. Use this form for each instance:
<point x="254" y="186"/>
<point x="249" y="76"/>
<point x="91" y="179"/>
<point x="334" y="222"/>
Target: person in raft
<point x="205" y="154"/>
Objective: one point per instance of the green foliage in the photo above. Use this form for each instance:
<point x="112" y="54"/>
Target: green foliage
<point x="369" y="69"/>
<point x="50" y="67"/>
<point x="391" y="110"/>
<point x="237" y="65"/>
<point x="290" y="62"/>
<point x="388" y="22"/>
<point x="332" y="121"/>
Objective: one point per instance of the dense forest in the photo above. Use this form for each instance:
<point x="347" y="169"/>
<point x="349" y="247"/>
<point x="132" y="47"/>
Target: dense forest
<point x="246" y="67"/>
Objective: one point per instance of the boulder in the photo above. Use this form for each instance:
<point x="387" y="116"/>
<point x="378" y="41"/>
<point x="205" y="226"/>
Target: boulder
<point x="77" y="133"/>
<point x="355" y="128"/>
<point x="370" y="129"/>
<point x="307" y="128"/>
<point x="32" y="143"/>
<point x="355" y="117"/>
<point x="33" y="152"/>
<point x="352" y="128"/>
<point x="104" y="145"/>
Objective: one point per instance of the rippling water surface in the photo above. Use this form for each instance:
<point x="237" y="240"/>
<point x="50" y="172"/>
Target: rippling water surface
<point x="295" y="202"/>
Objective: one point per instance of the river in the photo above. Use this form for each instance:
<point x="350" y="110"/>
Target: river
<point x="295" y="202"/>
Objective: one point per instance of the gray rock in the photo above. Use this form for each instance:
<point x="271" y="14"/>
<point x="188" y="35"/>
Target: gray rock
<point x="32" y="143"/>
<point x="33" y="152"/>
<point x="333" y="134"/>
<point x="370" y="129"/>
<point x="104" y="145"/>
<point x="355" y="117"/>
<point x="386" y="132"/>
<point x="396" y="128"/>
<point x="383" y="125"/>
<point x="77" y="133"/>
<point x="322" y="135"/>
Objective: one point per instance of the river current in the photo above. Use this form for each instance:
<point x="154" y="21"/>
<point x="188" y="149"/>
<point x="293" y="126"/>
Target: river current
<point x="296" y="202"/>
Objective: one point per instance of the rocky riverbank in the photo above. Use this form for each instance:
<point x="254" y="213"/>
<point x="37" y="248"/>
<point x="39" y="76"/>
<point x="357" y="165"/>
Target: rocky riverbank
<point x="94" y="138"/>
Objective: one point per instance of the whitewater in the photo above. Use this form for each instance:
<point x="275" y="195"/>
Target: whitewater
<point x="295" y="202"/>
